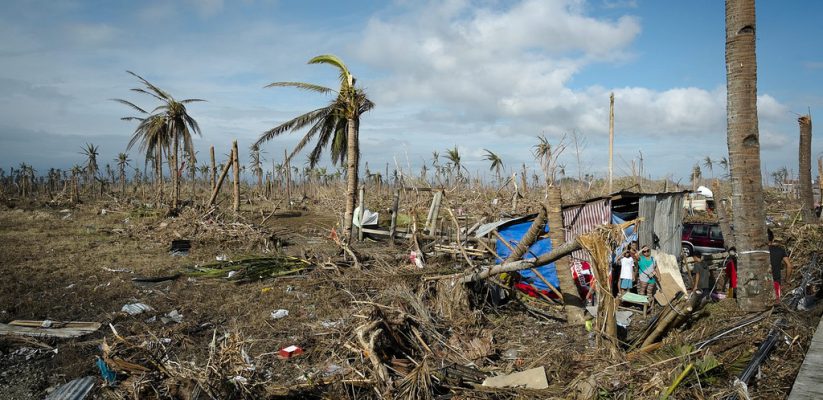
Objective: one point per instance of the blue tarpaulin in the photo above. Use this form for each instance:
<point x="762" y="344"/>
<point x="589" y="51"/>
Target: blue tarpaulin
<point x="512" y="234"/>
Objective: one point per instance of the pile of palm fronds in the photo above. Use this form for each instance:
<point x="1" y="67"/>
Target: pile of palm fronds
<point x="251" y="269"/>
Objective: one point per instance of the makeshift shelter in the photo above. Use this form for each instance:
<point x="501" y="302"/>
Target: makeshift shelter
<point x="661" y="214"/>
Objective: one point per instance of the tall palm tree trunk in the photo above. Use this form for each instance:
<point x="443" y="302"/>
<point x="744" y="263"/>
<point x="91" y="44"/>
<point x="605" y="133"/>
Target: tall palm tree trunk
<point x="805" y="170"/>
<point x="175" y="180"/>
<point x="353" y="166"/>
<point x="573" y="305"/>
<point x="754" y="272"/>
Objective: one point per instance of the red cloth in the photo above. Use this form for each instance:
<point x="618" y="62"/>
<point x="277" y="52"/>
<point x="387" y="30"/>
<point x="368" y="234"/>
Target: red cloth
<point x="731" y="272"/>
<point x="777" y="290"/>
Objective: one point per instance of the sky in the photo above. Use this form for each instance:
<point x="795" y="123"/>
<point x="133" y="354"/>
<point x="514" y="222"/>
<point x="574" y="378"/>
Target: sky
<point x="473" y="74"/>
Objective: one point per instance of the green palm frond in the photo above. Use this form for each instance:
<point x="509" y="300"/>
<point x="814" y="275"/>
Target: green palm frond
<point x="301" y="85"/>
<point x="346" y="77"/>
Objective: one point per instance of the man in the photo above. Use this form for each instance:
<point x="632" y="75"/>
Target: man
<point x="701" y="276"/>
<point x="778" y="257"/>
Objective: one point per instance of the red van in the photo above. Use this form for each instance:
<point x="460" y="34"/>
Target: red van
<point x="702" y="237"/>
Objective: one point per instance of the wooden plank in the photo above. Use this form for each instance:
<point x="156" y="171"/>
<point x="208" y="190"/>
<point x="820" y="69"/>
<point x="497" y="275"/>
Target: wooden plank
<point x="8" y="329"/>
<point x="809" y="381"/>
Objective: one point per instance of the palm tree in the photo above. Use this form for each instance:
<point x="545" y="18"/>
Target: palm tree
<point x="709" y="165"/>
<point x="91" y="152"/>
<point x="744" y="155"/>
<point x="695" y="176"/>
<point x="724" y="163"/>
<point x="496" y="163"/>
<point x="453" y="155"/>
<point x="337" y="124"/>
<point x="804" y="173"/>
<point x="167" y="123"/>
<point x="256" y="166"/>
<point x="122" y="162"/>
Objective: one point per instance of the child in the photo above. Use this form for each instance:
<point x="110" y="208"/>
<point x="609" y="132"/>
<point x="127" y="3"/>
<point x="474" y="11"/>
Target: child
<point x="626" y="272"/>
<point x="648" y="272"/>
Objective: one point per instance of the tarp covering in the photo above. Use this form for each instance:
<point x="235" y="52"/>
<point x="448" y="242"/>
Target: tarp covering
<point x="512" y="234"/>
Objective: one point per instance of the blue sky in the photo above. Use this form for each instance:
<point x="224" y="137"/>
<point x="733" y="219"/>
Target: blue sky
<point x="476" y="74"/>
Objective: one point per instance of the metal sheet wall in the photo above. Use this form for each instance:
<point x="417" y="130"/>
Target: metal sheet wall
<point x="584" y="218"/>
<point x="647" y="211"/>
<point x="668" y="222"/>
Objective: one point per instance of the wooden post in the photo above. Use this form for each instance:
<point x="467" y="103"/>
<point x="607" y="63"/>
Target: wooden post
<point x="236" y="167"/>
<point x="220" y="181"/>
<point x="611" y="139"/>
<point x="820" y="181"/>
<point x="213" y="170"/>
<point x="434" y="211"/>
<point x="288" y="178"/>
<point x="362" y="205"/>
<point x="394" y="205"/>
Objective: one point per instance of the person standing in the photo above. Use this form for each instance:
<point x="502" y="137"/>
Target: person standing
<point x="626" y="272"/>
<point x="702" y="277"/>
<point x="647" y="268"/>
<point x="778" y="258"/>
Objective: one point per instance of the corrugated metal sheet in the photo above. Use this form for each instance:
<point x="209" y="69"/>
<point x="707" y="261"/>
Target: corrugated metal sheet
<point x="77" y="389"/>
<point x="668" y="222"/>
<point x="583" y="218"/>
<point x="647" y="209"/>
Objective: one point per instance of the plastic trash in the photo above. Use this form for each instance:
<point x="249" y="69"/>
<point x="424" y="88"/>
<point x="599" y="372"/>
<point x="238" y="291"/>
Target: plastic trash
<point x="222" y="257"/>
<point x="136" y="308"/>
<point x="415" y="259"/>
<point x="108" y="375"/>
<point x="172" y="316"/>
<point x="281" y="313"/>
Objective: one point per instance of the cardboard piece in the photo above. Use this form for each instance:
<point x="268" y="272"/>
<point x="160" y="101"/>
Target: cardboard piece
<point x="671" y="282"/>
<point x="534" y="378"/>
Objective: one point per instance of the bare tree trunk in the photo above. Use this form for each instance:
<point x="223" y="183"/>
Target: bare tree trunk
<point x="236" y="167"/>
<point x="611" y="139"/>
<point x="175" y="180"/>
<point x="353" y="164"/>
<point x="754" y="272"/>
<point x="573" y="305"/>
<point x="820" y="180"/>
<point x="220" y="180"/>
<point x="805" y="169"/>
<point x="529" y="237"/>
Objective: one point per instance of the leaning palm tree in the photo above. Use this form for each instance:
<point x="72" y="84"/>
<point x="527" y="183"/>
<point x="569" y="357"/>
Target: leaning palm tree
<point x="169" y="119"/>
<point x="496" y="163"/>
<point x="336" y="125"/>
<point x="756" y="292"/>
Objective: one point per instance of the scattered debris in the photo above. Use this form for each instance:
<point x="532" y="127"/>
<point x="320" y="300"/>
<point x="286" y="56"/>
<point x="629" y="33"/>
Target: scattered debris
<point x="277" y="314"/>
<point x="48" y="328"/>
<point x="136" y="308"/>
<point x="534" y="378"/>
<point x="180" y="247"/>
<point x="172" y="316"/>
<point x="77" y="389"/>
<point x="289" y="352"/>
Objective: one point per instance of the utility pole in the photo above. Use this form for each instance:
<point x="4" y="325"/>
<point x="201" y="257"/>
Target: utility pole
<point x="611" y="139"/>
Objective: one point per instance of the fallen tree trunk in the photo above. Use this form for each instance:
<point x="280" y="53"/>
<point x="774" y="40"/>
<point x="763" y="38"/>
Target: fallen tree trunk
<point x="487" y="271"/>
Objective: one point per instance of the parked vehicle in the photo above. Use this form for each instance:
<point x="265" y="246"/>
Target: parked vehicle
<point x="702" y="237"/>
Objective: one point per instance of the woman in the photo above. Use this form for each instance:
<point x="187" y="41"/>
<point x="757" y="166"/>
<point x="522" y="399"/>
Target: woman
<point x="648" y="272"/>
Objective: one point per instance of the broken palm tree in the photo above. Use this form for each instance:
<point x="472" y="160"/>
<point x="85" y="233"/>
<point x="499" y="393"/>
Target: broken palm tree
<point x="251" y="269"/>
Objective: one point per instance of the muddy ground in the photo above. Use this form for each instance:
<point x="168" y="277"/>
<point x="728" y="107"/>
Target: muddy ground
<point x="77" y="264"/>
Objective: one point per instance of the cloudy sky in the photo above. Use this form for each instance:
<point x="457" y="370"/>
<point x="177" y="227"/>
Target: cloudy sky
<point x="475" y="74"/>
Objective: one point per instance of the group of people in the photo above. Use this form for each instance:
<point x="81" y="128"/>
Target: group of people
<point x="778" y="259"/>
<point x="646" y="273"/>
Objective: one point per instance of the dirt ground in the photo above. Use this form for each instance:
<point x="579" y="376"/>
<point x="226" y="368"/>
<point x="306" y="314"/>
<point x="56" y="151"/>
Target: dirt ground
<point x="77" y="264"/>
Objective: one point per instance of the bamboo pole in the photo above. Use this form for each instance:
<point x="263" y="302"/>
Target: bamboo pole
<point x="236" y="167"/>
